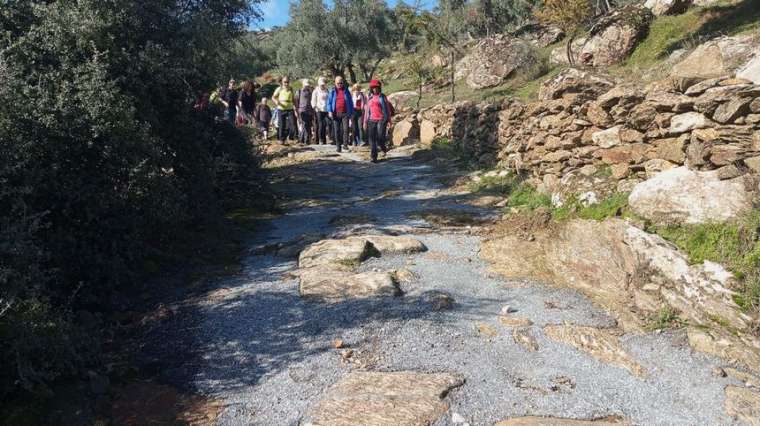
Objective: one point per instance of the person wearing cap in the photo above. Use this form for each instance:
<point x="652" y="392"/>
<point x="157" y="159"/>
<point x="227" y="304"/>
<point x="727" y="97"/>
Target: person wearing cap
<point x="377" y="115"/>
<point x="340" y="107"/>
<point x="319" y="105"/>
<point x="360" y="100"/>
<point x="284" y="100"/>
<point x="305" y="111"/>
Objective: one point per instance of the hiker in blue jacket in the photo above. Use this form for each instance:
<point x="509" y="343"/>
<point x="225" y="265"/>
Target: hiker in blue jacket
<point x="340" y="107"/>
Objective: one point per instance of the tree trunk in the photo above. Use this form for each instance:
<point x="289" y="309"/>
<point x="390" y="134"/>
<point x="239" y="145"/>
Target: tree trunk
<point x="569" y="50"/>
<point x="351" y="72"/>
<point x="452" y="67"/>
<point x="419" y="97"/>
<point x="374" y="69"/>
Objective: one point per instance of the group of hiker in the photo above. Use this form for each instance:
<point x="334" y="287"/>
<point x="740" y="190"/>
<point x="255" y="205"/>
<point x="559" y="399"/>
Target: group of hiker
<point x="314" y="114"/>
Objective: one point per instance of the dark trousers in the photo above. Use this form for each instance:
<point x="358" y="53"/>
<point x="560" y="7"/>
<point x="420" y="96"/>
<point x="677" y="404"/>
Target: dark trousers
<point x="306" y="118"/>
<point x="286" y="123"/>
<point x="376" y="131"/>
<point x="340" y="129"/>
<point x="322" y="127"/>
<point x="358" y="136"/>
<point x="232" y="115"/>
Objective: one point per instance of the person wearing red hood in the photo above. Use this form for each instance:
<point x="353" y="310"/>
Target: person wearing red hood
<point x="377" y="116"/>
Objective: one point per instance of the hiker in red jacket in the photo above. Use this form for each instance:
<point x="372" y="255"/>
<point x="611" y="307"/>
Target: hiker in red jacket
<point x="340" y="106"/>
<point x="377" y="117"/>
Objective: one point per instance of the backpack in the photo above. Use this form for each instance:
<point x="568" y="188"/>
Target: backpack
<point x="391" y="109"/>
<point x="304" y="98"/>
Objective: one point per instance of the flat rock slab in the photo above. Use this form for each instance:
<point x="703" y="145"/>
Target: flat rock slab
<point x="390" y="245"/>
<point x="336" y="253"/>
<point x="329" y="284"/>
<point x="597" y="342"/>
<point x="348" y="252"/>
<point x="380" y="399"/>
<point x="743" y="404"/>
<point x="554" y="421"/>
<point x="680" y="195"/>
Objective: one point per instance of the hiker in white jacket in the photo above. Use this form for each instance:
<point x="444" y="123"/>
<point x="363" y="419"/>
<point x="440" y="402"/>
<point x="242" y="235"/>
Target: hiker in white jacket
<point x="319" y="103"/>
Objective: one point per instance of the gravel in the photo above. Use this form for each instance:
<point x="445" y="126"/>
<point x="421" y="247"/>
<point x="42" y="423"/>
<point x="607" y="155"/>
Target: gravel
<point x="269" y="356"/>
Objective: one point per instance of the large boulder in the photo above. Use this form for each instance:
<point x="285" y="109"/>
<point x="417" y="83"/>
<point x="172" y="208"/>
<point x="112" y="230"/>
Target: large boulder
<point x="400" y="99"/>
<point x="573" y="81"/>
<point x="403" y="398"/>
<point x="630" y="272"/>
<point x="332" y="285"/>
<point x="681" y="195"/>
<point x="667" y="7"/>
<point x="723" y="56"/>
<point x="556" y="421"/>
<point x="406" y="132"/>
<point x="428" y="132"/>
<point x="495" y="58"/>
<point x="611" y="39"/>
<point x="539" y="35"/>
<point x="751" y="71"/>
<point x="336" y="253"/>
<point x="350" y="252"/>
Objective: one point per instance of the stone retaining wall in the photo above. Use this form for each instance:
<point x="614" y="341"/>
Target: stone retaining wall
<point x="590" y="131"/>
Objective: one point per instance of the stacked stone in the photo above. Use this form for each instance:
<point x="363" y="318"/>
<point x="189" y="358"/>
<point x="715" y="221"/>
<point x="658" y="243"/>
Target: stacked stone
<point x="632" y="133"/>
<point x="589" y="132"/>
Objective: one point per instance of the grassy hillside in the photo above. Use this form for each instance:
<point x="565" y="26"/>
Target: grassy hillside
<point x="649" y="61"/>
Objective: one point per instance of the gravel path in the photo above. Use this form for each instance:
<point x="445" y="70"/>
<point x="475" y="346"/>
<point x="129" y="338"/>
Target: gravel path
<point x="269" y="355"/>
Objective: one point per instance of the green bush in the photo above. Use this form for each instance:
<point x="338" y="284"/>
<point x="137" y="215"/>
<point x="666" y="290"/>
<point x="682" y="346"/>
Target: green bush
<point x="103" y="161"/>
<point x="736" y="245"/>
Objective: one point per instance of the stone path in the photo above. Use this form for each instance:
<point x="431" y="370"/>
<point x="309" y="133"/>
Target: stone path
<point x="456" y="344"/>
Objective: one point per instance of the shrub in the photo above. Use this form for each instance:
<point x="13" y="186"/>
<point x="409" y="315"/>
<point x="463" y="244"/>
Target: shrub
<point x="103" y="162"/>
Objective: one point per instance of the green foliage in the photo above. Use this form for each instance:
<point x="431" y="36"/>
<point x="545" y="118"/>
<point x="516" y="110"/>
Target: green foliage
<point x="502" y="185"/>
<point x="526" y="196"/>
<point x="665" y="318"/>
<point x="353" y="33"/>
<point x="613" y="206"/>
<point x="736" y="245"/>
<point x="664" y="32"/>
<point x="519" y="193"/>
<point x="669" y="33"/>
<point x="104" y="165"/>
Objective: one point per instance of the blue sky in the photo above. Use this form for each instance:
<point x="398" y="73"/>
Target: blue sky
<point x="276" y="11"/>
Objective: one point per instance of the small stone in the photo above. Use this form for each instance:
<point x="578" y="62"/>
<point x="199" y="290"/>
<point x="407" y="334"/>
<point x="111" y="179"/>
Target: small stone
<point x="338" y="344"/>
<point x="728" y="172"/>
<point x="523" y="337"/>
<point x="439" y="301"/>
<point x="486" y="330"/>
<point x="731" y="110"/>
<point x="753" y="163"/>
<point x="511" y="321"/>
<point x="607" y="138"/>
<point x="620" y="171"/>
<point x="689" y="121"/>
<point x="755" y="105"/>
<point x="719" y="372"/>
<point x="457" y="418"/>
<point x="347" y="353"/>
<point x="506" y="309"/>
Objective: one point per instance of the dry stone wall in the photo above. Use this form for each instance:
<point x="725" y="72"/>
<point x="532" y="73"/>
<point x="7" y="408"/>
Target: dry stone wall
<point x="587" y="132"/>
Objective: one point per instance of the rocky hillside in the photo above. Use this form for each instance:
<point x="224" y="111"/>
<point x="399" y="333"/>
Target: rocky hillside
<point x="674" y="156"/>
